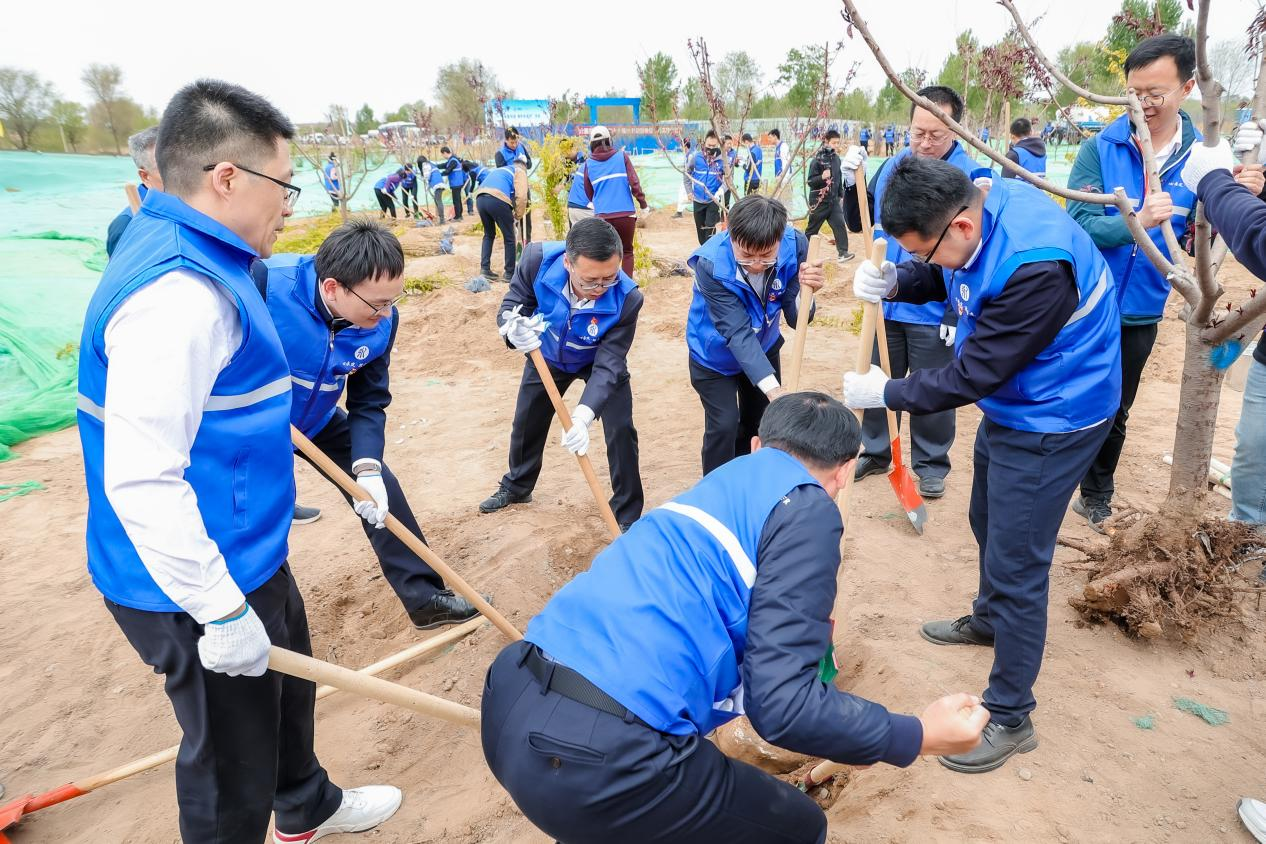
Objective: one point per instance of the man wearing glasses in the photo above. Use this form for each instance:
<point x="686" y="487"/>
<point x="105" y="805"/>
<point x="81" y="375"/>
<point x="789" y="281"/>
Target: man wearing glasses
<point x="184" y="419"/>
<point x="1039" y="352"/>
<point x="335" y="313"/>
<point x="919" y="336"/>
<point x="572" y="301"/>
<point x="746" y="279"/>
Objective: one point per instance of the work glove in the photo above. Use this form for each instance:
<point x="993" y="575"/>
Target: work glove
<point x="375" y="511"/>
<point x="236" y="646"/>
<point x="576" y="438"/>
<point x="853" y="158"/>
<point x="1247" y="137"/>
<point x="871" y="283"/>
<point x="1203" y="160"/>
<point x="524" y="333"/>
<point x="947" y="333"/>
<point x="865" y="389"/>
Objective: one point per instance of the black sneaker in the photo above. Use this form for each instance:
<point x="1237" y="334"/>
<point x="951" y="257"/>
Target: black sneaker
<point x="869" y="466"/>
<point x="998" y="743"/>
<point x="956" y="632"/>
<point x="1096" y="511"/>
<point x="446" y="607"/>
<point x="489" y="274"/>
<point x="931" y="487"/>
<point x="502" y="498"/>
<point x="305" y="515"/>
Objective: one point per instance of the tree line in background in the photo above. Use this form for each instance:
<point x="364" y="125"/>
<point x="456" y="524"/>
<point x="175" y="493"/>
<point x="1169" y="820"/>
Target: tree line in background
<point x="35" y="116"/>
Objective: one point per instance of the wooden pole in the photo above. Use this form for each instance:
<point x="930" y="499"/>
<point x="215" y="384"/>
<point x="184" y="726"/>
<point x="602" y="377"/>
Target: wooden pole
<point x="417" y="546"/>
<point x="133" y="197"/>
<point x="802" y="323"/>
<point x="586" y="466"/>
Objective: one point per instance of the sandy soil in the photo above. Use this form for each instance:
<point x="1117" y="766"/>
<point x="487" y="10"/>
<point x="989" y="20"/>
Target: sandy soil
<point x="75" y="700"/>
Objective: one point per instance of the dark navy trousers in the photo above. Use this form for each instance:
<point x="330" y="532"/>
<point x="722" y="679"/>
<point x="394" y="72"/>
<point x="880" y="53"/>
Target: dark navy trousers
<point x="583" y="775"/>
<point x="1022" y="485"/>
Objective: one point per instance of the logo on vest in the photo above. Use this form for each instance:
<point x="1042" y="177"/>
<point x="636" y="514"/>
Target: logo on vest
<point x="592" y="330"/>
<point x="964" y="292"/>
<point x="362" y="353"/>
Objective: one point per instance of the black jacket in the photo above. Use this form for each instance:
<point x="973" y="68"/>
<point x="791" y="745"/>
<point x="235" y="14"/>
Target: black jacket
<point x="820" y="191"/>
<point x="1240" y="219"/>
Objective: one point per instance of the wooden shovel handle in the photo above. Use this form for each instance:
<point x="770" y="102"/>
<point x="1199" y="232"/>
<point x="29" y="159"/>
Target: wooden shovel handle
<point x="802" y="320"/>
<point x="133" y="197"/>
<point x="866" y="342"/>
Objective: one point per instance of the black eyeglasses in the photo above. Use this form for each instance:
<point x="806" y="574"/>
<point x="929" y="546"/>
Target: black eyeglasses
<point x="292" y="192"/>
<point x="928" y="258"/>
<point x="375" y="308"/>
<point x="1156" y="100"/>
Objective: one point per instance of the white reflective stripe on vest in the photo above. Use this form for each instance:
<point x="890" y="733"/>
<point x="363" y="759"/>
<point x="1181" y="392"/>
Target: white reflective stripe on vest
<point x="722" y="534"/>
<point x="1091" y="300"/>
<point x="594" y="181"/>
<point x="91" y="408"/>
<point x="259" y="394"/>
<point x="327" y="388"/>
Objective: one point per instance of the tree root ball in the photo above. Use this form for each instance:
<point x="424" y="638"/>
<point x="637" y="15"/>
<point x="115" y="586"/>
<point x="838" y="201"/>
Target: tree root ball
<point x="1170" y="576"/>
<point x="738" y="740"/>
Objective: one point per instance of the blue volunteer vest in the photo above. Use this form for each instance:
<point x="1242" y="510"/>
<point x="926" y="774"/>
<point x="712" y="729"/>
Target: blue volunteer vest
<point x="1076" y="380"/>
<point x="511" y="155"/>
<point x="779" y="151"/>
<point x="659" y="621"/>
<point x="610" y="180"/>
<point x="864" y="136"/>
<point x="1141" y="289"/>
<point x="502" y="179"/>
<point x="757" y="168"/>
<point x="930" y="313"/>
<point x="434" y="179"/>
<point x="319" y="360"/>
<point x="889" y="135"/>
<point x="707" y="346"/>
<point x="572" y="338"/>
<point x="457" y="177"/>
<point x="478" y="172"/>
<point x="241" y="466"/>
<point x="705" y="178"/>
<point x="576" y="196"/>
<point x="1029" y="161"/>
<point x="330" y="183"/>
<point x="409" y="180"/>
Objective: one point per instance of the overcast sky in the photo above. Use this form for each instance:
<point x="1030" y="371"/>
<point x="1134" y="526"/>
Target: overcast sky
<point x="302" y="58"/>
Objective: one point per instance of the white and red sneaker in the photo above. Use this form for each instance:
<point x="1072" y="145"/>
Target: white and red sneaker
<point x="362" y="808"/>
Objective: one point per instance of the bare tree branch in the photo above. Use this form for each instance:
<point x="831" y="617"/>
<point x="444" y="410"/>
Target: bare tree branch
<point x="1051" y="67"/>
<point x="1237" y="322"/>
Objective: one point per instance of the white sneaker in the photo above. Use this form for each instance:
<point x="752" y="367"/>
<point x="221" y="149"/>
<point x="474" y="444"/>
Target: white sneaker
<point x="362" y="808"/>
<point x="1253" y="814"/>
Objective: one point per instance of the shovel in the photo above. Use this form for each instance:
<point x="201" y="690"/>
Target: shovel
<point x="15" y="810"/>
<point x="802" y="322"/>
<point x="133" y="202"/>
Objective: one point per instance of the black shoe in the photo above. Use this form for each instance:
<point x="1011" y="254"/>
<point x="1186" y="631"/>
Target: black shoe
<point x="305" y="515"/>
<point x="869" y="466"/>
<point x="445" y="608"/>
<point x="489" y="274"/>
<point x="502" y="498"/>
<point x="1096" y="511"/>
<point x="998" y="743"/>
<point x="931" y="487"/>
<point x="845" y="258"/>
<point x="956" y="632"/>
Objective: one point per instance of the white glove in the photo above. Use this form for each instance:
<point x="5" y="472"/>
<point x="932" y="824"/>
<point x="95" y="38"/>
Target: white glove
<point x="524" y="333"/>
<point x="947" y="333"/>
<point x="576" y="440"/>
<point x="871" y="283"/>
<point x="1203" y="160"/>
<point x="1247" y="137"/>
<point x="865" y="390"/>
<point x="237" y="646"/>
<point x="852" y="159"/>
<point x="374" y="512"/>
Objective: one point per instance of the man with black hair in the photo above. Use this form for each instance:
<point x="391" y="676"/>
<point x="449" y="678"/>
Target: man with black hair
<point x="782" y="153"/>
<point x="706" y="171"/>
<point x="755" y="164"/>
<point x="501" y="200"/>
<point x="514" y="150"/>
<point x="455" y="174"/>
<point x="191" y="486"/>
<point x="827" y="178"/>
<point x="746" y="278"/>
<point x="716" y="604"/>
<point x="572" y="301"/>
<point x="1027" y="150"/>
<point x="1038" y="351"/>
<point x="919" y="336"/>
<point x="336" y="315"/>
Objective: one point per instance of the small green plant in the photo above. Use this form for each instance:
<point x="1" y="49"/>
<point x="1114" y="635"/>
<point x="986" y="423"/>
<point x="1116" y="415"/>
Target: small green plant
<point x="643" y="264"/>
<point x="556" y="163"/>
<point x="70" y="351"/>
<point x="427" y="283"/>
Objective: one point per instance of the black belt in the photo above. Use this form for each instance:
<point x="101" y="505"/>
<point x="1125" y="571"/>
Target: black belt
<point x="556" y="677"/>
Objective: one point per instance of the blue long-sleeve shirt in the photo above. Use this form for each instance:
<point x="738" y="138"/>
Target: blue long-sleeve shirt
<point x="1240" y="219"/>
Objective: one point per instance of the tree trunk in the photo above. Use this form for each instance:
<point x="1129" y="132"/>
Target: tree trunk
<point x="1197" y="422"/>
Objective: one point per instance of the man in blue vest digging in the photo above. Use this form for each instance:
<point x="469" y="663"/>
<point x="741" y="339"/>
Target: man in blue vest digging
<point x="572" y="301"/>
<point x="1038" y="351"/>
<point x="716" y="604"/>
<point x="335" y="313"/>
<point x="184" y="418"/>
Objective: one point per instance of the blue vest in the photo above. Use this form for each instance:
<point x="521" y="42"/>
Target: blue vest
<point x="889" y="135"/>
<point x="409" y="180"/>
<point x="659" y="621"/>
<point x="478" y="173"/>
<point x="327" y="177"/>
<point x="457" y="177"/>
<point x="779" y="151"/>
<point x="610" y="180"/>
<point x="435" y="179"/>
<point x="319" y="360"/>
<point x="757" y="168"/>
<point x="1076" y="380"/>
<point x="1141" y="290"/>
<point x="930" y="313"/>
<point x="1029" y="161"/>
<point x="864" y="136"/>
<point x="512" y="155"/>
<point x="707" y="174"/>
<point x="572" y="338"/>
<point x="707" y="346"/>
<point x="576" y="196"/>
<point x="241" y="465"/>
<point x="502" y="179"/>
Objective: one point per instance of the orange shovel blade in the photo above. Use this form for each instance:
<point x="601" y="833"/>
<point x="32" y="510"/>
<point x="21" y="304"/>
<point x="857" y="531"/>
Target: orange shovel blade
<point x="11" y="813"/>
<point x="903" y="484"/>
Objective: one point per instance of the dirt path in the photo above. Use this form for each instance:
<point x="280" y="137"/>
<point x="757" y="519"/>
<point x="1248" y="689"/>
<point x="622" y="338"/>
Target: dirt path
<point x="74" y="698"/>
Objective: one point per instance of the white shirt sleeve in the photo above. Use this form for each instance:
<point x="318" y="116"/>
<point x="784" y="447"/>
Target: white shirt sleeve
<point x="166" y="344"/>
